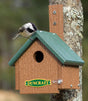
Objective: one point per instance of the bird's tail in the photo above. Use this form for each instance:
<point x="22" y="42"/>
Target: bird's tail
<point x="14" y="38"/>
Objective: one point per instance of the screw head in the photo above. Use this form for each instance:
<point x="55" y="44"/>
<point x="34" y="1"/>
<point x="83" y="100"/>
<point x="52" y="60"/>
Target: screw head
<point x="71" y="86"/>
<point x="59" y="81"/>
<point x="54" y="12"/>
<point x="53" y="33"/>
<point x="78" y="85"/>
<point x="54" y="23"/>
<point x="40" y="31"/>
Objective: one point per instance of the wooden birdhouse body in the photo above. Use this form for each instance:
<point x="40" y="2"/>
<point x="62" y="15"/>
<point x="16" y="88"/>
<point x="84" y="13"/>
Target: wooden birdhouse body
<point x="46" y="64"/>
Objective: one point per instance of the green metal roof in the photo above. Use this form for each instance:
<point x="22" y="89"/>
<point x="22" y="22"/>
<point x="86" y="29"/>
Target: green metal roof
<point x="57" y="46"/>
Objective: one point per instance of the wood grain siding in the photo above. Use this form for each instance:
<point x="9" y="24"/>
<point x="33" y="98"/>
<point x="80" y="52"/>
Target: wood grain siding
<point x="29" y="69"/>
<point x="56" y="18"/>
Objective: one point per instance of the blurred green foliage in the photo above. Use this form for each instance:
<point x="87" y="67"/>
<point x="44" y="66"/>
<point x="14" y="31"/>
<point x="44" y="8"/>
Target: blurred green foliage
<point x="14" y="13"/>
<point x="85" y="51"/>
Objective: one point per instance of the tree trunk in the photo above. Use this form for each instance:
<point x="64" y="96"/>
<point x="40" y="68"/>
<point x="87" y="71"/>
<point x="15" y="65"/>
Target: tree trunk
<point x="73" y="28"/>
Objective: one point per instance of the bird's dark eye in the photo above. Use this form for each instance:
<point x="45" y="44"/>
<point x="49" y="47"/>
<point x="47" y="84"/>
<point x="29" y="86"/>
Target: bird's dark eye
<point x="30" y="30"/>
<point x="21" y="29"/>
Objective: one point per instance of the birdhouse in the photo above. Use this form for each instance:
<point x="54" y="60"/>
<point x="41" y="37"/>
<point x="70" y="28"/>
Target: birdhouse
<point x="44" y="64"/>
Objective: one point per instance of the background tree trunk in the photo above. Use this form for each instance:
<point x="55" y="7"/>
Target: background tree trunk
<point x="73" y="28"/>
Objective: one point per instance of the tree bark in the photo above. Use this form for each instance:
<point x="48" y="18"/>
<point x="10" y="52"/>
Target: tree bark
<point x="73" y="29"/>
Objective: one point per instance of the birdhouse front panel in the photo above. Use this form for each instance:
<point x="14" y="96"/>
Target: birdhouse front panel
<point x="36" y="65"/>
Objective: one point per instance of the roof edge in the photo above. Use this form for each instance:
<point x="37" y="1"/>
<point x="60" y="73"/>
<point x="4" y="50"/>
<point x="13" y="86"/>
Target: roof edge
<point x="74" y="63"/>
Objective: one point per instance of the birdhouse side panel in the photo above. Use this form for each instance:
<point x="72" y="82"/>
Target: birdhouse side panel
<point x="17" y="75"/>
<point x="70" y="76"/>
<point x="33" y="69"/>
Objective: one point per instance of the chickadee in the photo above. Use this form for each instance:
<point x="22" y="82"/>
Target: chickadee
<point x="26" y="30"/>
